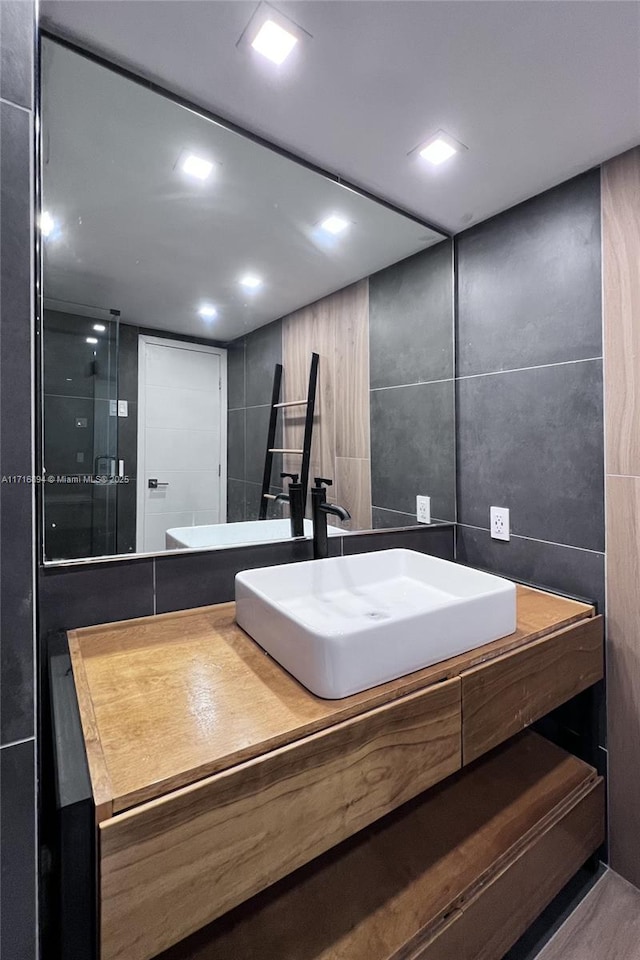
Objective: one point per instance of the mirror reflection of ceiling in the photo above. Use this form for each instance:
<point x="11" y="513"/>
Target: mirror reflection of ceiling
<point x="130" y="230"/>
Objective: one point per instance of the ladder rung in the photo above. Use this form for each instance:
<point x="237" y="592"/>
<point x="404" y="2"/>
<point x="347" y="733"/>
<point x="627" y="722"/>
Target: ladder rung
<point x="269" y="496"/>
<point x="284" y="450"/>
<point x="291" y="403"/>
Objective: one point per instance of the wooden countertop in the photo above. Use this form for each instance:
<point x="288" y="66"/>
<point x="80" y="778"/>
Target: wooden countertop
<point x="170" y="699"/>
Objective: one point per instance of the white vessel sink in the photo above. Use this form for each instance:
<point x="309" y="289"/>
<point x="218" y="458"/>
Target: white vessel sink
<point x="349" y="623"/>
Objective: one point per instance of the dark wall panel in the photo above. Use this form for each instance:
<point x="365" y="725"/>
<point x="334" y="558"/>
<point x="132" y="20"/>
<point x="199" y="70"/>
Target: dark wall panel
<point x="251" y="363"/>
<point x="411" y="347"/>
<point x="18" y="876"/>
<point x="529" y="388"/>
<point x="530" y="408"/>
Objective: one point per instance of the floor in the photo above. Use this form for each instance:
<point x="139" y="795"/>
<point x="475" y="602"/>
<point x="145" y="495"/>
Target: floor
<point x="605" y="925"/>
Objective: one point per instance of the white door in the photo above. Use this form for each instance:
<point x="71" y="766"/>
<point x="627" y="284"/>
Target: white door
<point x="182" y="438"/>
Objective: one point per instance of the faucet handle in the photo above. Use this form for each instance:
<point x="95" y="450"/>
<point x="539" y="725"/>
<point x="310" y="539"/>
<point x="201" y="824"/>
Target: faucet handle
<point x="320" y="480"/>
<point x="292" y="476"/>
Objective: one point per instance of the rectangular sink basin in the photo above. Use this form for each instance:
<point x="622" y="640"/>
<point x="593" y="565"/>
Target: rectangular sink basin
<point x="345" y="624"/>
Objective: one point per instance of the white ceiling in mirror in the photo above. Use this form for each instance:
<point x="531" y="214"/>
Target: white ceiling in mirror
<point x="538" y="91"/>
<point x="184" y="225"/>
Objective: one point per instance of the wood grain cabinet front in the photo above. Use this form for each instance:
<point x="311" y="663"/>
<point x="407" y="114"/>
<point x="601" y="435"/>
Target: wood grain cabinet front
<point x="503" y="696"/>
<point x="170" y="866"/>
<point x="216" y="776"/>
<point x="455" y="874"/>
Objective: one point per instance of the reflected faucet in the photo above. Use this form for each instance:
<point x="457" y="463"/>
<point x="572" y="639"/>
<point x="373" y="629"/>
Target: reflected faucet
<point x="295" y="499"/>
<point x="319" y="511"/>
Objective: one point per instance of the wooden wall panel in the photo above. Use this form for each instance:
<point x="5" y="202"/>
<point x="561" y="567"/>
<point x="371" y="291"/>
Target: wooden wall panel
<point x="353" y="489"/>
<point x="309" y="330"/>
<point x="623" y="673"/>
<point x="352" y="371"/>
<point x="337" y="328"/>
<point x="621" y="293"/>
<point x="621" y="277"/>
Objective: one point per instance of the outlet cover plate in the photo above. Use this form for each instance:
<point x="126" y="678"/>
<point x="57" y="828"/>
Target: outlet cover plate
<point x="500" y="523"/>
<point x="423" y="509"/>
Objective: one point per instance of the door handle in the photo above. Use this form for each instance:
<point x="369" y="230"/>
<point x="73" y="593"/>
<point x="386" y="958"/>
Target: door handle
<point x="154" y="484"/>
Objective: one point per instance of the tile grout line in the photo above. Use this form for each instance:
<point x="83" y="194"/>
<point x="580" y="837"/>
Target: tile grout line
<point x="17" y="743"/>
<point x="18" y="106"/>
<point x="537" y="366"/>
<point x="417" y="383"/>
<point x="401" y="513"/>
<point x="550" y="543"/>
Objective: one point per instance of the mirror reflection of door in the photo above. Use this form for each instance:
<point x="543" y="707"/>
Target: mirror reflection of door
<point x="182" y="417"/>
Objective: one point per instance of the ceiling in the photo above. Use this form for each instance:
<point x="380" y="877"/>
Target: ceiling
<point x="134" y="233"/>
<point x="537" y="91"/>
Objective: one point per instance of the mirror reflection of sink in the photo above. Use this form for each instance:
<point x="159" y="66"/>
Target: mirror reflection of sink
<point x="246" y="532"/>
<point x="345" y="624"/>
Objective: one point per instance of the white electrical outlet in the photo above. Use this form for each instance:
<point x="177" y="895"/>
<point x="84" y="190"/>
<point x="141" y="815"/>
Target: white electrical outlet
<point x="423" y="509"/>
<point x="500" y="523"/>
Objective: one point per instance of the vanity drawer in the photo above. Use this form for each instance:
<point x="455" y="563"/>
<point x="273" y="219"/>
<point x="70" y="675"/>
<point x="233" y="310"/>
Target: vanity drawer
<point x="485" y="926"/>
<point x="170" y="866"/>
<point x="503" y="696"/>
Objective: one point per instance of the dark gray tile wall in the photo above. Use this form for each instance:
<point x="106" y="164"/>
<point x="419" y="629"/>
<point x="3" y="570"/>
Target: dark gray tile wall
<point x="16" y="45"/>
<point x="411" y="347"/>
<point x="251" y="363"/>
<point x="18" y="866"/>
<point x="102" y="592"/>
<point x="532" y="441"/>
<point x="529" y="391"/>
<point x="529" y="285"/>
<point x="413" y="448"/>
<point x="80" y="596"/>
<point x="18" y="873"/>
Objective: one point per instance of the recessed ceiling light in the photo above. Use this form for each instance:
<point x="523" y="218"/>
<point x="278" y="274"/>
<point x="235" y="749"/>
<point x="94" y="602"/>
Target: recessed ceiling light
<point x="439" y="147"/>
<point x="274" y="42"/>
<point x="197" y="167"/>
<point x="99" y="327"/>
<point x="207" y="311"/>
<point x="334" y="224"/>
<point x="92" y="339"/>
<point x="47" y="223"/>
<point x="250" y="281"/>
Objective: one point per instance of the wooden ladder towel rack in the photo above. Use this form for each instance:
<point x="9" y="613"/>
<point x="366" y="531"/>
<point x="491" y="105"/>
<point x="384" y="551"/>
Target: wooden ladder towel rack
<point x="305" y="452"/>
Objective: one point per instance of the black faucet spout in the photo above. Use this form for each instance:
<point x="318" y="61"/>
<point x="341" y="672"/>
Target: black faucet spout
<point x="320" y="510"/>
<point x="336" y="510"/>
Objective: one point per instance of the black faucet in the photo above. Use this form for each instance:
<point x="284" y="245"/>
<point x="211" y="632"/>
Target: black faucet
<point x="295" y="499"/>
<point x="319" y="510"/>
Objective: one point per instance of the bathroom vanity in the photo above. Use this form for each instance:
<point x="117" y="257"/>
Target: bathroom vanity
<point x="234" y="808"/>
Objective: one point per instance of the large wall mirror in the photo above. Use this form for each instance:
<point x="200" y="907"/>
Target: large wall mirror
<point x="183" y="263"/>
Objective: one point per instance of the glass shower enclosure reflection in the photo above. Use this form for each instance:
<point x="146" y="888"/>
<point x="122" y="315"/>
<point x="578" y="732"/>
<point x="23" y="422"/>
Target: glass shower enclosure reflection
<point x="81" y="466"/>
